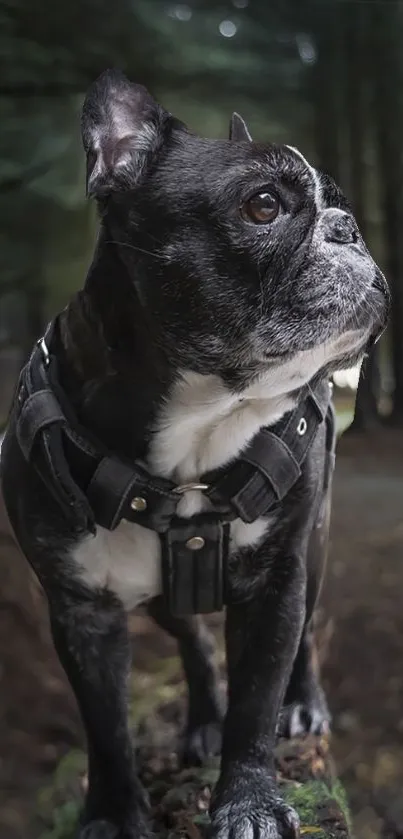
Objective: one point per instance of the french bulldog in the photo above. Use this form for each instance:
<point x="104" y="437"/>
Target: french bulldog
<point x="228" y="275"/>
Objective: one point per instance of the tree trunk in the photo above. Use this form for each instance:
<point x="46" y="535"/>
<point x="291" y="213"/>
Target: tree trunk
<point x="324" y="90"/>
<point x="388" y="118"/>
<point x="366" y="415"/>
<point x="355" y="39"/>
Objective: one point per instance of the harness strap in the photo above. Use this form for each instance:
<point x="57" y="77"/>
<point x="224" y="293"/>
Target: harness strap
<point x="42" y="428"/>
<point x="39" y="411"/>
<point x="118" y="490"/>
<point x="194" y="567"/>
<point x="94" y="486"/>
<point x="275" y="461"/>
<point x="331" y="438"/>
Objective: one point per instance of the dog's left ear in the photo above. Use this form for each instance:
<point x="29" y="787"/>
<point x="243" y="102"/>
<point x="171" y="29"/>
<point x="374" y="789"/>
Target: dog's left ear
<point x="122" y="129"/>
<point x="238" y="130"/>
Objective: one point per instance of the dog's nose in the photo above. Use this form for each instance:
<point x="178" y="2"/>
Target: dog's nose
<point x="340" y="227"/>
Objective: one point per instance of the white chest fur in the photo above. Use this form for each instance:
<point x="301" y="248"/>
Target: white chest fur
<point x="201" y="427"/>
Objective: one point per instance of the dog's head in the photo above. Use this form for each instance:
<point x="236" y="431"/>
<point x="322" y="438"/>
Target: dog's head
<point x="244" y="257"/>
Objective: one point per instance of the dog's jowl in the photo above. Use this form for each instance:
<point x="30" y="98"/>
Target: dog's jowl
<point x="172" y="439"/>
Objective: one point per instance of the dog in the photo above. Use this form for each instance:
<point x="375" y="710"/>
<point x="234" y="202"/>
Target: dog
<point x="229" y="281"/>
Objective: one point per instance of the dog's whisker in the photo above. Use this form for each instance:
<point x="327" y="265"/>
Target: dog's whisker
<point x="148" y="234"/>
<point x="135" y="248"/>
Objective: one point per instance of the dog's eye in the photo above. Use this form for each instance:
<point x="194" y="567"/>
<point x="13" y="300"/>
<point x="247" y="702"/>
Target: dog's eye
<point x="262" y="208"/>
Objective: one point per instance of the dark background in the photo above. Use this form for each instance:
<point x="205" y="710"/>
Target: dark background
<point x="325" y="75"/>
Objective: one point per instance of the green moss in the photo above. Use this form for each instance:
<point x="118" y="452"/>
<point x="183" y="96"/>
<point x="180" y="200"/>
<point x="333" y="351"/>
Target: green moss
<point x="320" y="802"/>
<point x="153" y="689"/>
<point x="59" y="804"/>
<point x="306" y="798"/>
<point x="71" y="767"/>
<point x="339" y="795"/>
<point x="311" y="800"/>
<point x="209" y="773"/>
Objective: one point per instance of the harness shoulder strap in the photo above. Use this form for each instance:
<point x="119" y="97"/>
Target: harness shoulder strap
<point x="51" y="438"/>
<point x="40" y="425"/>
<point x="274" y="461"/>
<point x="40" y="410"/>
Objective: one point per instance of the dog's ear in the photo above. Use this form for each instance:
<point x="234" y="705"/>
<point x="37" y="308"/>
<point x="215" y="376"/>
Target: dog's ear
<point x="238" y="130"/>
<point x="122" y="129"/>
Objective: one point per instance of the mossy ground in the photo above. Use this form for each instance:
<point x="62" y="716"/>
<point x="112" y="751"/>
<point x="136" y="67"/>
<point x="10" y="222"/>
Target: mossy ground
<point x="180" y="797"/>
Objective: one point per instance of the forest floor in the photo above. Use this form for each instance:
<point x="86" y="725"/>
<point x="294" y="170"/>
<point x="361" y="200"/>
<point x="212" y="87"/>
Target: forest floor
<point x="361" y="647"/>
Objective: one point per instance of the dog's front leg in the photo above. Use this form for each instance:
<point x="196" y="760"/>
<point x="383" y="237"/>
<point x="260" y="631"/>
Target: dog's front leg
<point x="91" y="638"/>
<point x="205" y="712"/>
<point x="262" y="640"/>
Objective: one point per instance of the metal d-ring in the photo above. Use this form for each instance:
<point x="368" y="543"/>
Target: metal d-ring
<point x="190" y="487"/>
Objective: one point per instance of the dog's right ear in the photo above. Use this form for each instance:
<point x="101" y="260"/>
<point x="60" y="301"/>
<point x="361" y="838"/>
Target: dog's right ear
<point x="122" y="129"/>
<point x="238" y="130"/>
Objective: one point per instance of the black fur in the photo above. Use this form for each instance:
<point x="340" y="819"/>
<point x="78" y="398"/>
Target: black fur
<point x="181" y="281"/>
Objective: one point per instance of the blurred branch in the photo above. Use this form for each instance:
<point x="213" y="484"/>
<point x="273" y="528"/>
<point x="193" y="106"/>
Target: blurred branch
<point x="11" y="286"/>
<point x="24" y="179"/>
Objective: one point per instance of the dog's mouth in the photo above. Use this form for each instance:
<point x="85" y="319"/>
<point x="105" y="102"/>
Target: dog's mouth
<point x="381" y="289"/>
<point x="378" y="308"/>
<point x="277" y="357"/>
<point x="355" y="338"/>
<point x="379" y="283"/>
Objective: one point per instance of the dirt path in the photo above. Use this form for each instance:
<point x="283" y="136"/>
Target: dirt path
<point x="361" y="633"/>
<point x="363" y="605"/>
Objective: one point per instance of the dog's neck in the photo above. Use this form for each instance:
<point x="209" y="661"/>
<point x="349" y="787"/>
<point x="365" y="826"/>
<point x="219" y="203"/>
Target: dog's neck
<point x="113" y="369"/>
<point x="131" y="393"/>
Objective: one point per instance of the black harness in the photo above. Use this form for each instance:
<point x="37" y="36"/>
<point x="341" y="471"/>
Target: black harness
<point x="195" y="551"/>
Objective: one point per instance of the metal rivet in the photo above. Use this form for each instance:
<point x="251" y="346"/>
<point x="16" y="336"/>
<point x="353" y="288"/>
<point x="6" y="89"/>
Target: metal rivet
<point x="196" y="543"/>
<point x="138" y="504"/>
<point x="302" y="427"/>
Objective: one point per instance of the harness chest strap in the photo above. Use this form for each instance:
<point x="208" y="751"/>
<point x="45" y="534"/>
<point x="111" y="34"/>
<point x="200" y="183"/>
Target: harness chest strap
<point x="194" y="551"/>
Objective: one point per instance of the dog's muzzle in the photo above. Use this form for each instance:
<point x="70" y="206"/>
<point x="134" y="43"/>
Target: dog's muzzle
<point x="382" y="304"/>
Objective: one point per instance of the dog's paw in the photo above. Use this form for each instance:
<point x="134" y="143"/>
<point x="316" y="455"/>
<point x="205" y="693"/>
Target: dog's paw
<point x="307" y="719"/>
<point x="201" y="743"/>
<point x="255" y="817"/>
<point x="101" y="829"/>
<point x="310" y="716"/>
<point x="98" y="829"/>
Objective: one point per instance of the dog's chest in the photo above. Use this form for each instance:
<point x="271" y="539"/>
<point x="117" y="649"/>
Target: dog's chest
<point x="201" y="427"/>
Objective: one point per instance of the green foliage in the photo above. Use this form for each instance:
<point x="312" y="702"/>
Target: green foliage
<point x="300" y="71"/>
<point x="65" y="820"/>
<point x="47" y="61"/>
<point x="59" y="803"/>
